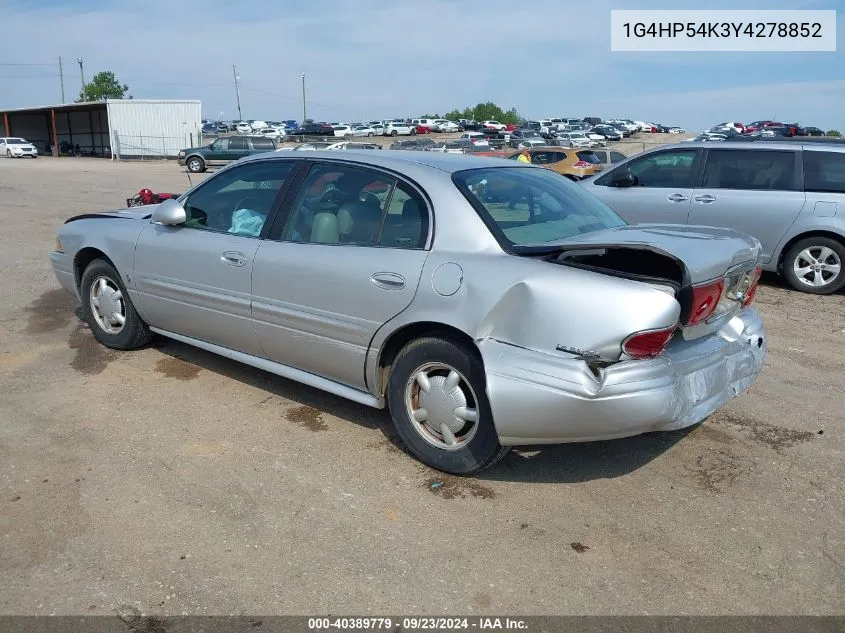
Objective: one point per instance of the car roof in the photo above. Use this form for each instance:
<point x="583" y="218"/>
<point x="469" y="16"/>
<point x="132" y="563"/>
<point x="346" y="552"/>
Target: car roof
<point x="398" y="159"/>
<point x="760" y="144"/>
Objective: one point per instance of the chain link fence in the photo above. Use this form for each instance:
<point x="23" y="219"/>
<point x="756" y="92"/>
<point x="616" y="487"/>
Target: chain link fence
<point x="141" y="147"/>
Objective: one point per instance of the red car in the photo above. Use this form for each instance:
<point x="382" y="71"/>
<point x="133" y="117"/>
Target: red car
<point x="756" y="125"/>
<point x="423" y="129"/>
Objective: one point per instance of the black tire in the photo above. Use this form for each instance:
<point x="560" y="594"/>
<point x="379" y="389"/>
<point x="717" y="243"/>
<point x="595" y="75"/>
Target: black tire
<point x="394" y="133"/>
<point x="195" y="164"/>
<point x="134" y="333"/>
<point x="482" y="449"/>
<point x="8" y="153"/>
<point x="413" y="131"/>
<point x="370" y="134"/>
<point x="814" y="243"/>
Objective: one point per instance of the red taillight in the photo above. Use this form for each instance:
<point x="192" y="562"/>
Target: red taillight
<point x="705" y="298"/>
<point x="582" y="164"/>
<point x="752" y="287"/>
<point x="648" y="344"/>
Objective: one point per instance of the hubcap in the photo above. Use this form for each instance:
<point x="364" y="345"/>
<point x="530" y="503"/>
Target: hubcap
<point x="442" y="406"/>
<point x="817" y="266"/>
<point x="107" y="305"/>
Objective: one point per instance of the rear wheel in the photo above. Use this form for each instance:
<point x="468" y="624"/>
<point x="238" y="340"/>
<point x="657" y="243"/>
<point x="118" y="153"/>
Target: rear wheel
<point x="438" y="402"/>
<point x="108" y="310"/>
<point x="394" y="133"/>
<point x="8" y="153"/>
<point x="814" y="265"/>
<point x="413" y="131"/>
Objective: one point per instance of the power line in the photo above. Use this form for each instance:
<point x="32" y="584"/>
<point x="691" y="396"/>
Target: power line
<point x="17" y="64"/>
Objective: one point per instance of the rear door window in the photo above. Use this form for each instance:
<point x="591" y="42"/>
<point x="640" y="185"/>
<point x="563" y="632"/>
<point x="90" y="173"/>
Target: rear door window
<point x="237" y="143"/>
<point x="764" y="170"/>
<point x="263" y="143"/>
<point x="824" y="171"/>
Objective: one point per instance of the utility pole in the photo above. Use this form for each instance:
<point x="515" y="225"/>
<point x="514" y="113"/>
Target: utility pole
<point x="62" y="79"/>
<point x="304" y="115"/>
<point x="81" y="77"/>
<point x="237" y="92"/>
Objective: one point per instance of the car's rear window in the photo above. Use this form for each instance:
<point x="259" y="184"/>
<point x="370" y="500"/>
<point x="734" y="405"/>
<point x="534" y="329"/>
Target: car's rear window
<point x="262" y="143"/>
<point x="589" y="157"/>
<point x="523" y="206"/>
<point x="824" y="171"/>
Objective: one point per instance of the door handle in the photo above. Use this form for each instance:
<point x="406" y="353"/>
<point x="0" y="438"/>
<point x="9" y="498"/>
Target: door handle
<point x="233" y="258"/>
<point x="706" y="198"/>
<point x="388" y="281"/>
<point x="677" y="197"/>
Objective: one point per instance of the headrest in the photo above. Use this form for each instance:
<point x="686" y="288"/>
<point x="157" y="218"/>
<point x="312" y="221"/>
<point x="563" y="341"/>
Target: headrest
<point x="324" y="229"/>
<point x="353" y="213"/>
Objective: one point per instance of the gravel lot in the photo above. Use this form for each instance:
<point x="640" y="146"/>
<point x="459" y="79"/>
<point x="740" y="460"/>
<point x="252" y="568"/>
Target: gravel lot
<point x="173" y="481"/>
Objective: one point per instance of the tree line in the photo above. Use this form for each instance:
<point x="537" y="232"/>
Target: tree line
<point x="482" y="112"/>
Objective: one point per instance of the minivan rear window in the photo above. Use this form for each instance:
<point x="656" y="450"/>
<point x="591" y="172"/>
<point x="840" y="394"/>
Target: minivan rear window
<point x="824" y="171"/>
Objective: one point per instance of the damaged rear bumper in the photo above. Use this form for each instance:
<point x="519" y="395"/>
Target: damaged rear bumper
<point x="540" y="398"/>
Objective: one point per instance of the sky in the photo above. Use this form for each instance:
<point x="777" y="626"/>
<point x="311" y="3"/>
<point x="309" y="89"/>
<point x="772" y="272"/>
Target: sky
<point x="375" y="59"/>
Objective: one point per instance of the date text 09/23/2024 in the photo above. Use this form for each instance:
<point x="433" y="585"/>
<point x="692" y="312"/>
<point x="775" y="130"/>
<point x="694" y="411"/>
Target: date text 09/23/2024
<point x="417" y="623"/>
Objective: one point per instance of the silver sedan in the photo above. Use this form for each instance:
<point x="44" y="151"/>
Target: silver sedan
<point x="487" y="303"/>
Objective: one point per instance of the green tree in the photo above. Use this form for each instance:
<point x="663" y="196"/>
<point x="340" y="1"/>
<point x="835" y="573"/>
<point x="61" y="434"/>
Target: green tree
<point x="485" y="112"/>
<point x="104" y="85"/>
<point x="832" y="133"/>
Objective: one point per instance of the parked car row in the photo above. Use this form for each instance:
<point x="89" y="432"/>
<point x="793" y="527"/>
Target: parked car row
<point x="734" y="130"/>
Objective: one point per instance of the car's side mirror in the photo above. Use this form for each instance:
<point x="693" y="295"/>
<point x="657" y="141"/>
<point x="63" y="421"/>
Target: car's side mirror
<point x="169" y="213"/>
<point x="623" y="179"/>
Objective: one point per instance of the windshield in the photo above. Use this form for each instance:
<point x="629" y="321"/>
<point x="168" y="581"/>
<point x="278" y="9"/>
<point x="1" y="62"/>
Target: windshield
<point x="16" y="141"/>
<point x="531" y="207"/>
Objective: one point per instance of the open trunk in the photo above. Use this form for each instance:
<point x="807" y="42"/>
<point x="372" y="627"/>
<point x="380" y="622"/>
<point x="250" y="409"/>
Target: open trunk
<point x="673" y="258"/>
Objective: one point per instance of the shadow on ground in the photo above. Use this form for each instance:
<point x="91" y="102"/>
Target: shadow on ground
<point x="569" y="463"/>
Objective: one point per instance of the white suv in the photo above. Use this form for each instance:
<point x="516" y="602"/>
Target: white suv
<point x="398" y="128"/>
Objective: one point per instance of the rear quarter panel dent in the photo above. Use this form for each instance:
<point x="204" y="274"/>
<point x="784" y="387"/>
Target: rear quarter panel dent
<point x="536" y="305"/>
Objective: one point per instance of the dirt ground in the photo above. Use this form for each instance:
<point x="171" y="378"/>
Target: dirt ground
<point x="173" y="481"/>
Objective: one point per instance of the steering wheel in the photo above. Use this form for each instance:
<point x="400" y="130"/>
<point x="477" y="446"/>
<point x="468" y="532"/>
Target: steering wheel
<point x="247" y="202"/>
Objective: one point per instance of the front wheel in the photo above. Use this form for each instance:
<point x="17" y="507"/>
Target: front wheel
<point x="438" y="402"/>
<point x="413" y="131"/>
<point x="8" y="153"/>
<point x="814" y="265"/>
<point x="370" y="134"/>
<point x="394" y="133"/>
<point x="108" y="310"/>
<point x="195" y="165"/>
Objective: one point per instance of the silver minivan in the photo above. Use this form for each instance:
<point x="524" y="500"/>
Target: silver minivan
<point x="790" y="195"/>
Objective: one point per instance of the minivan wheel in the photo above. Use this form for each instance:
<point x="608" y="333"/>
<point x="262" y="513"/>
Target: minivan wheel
<point x="438" y="401"/>
<point x="394" y="133"/>
<point x="814" y="265"/>
<point x="195" y="164"/>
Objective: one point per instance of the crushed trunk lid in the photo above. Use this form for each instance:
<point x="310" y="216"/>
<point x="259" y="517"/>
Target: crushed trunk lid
<point x="705" y="253"/>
